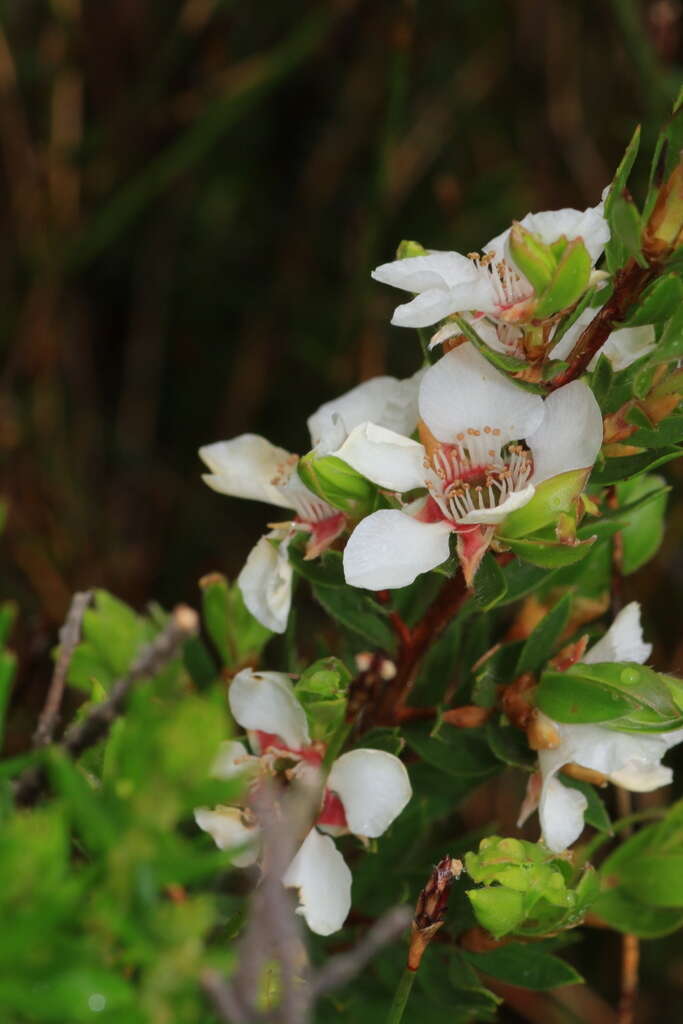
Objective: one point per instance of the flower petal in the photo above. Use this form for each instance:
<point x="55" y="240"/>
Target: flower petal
<point x="232" y="760"/>
<point x="390" y="549"/>
<point x="388" y="459"/>
<point x="463" y="391"/>
<point x="245" y="467"/>
<point x="421" y="273"/>
<point x="560" y="811"/>
<point x="389" y="402"/>
<point x="570" y="435"/>
<point x="625" y="346"/>
<point x="226" y="827"/>
<point x="266" y="584"/>
<point x="549" y="225"/>
<point x="265" y="701"/>
<point x="570" y="337"/>
<point x="373" y="786"/>
<point x="623" y="641"/>
<point x="425" y="309"/>
<point x="323" y="879"/>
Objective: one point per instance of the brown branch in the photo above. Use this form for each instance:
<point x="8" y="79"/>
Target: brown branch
<point x="343" y="967"/>
<point x="95" y="726"/>
<point x="412" y="648"/>
<point x="69" y="638"/>
<point x="629" y="283"/>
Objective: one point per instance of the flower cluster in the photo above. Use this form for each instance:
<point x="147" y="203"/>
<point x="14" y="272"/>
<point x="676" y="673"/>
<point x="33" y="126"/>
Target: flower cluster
<point x="488" y="447"/>
<point x="364" y="791"/>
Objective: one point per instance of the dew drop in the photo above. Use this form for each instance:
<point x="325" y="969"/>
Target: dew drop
<point x="97" y="1002"/>
<point x="630" y="676"/>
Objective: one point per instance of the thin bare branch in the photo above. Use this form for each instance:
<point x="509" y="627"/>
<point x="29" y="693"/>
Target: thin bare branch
<point x="343" y="967"/>
<point x="95" y="726"/>
<point x="69" y="638"/>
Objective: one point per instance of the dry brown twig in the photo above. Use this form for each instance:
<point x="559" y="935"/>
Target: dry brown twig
<point x="69" y="638"/>
<point x="154" y="656"/>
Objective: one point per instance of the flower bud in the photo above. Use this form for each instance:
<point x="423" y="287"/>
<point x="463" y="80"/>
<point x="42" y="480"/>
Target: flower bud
<point x="569" y="282"/>
<point x="665" y="227"/>
<point x="407" y="249"/>
<point x="532" y="256"/>
<point x="338" y="484"/>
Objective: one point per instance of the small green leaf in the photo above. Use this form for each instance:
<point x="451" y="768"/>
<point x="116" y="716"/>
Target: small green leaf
<point x="549" y="554"/>
<point x="543" y="641"/>
<point x="621" y="175"/>
<point x="489" y="583"/>
<point x="658" y="302"/>
<point x="630" y="466"/>
<point x="670" y="345"/>
<point x="644" y="530"/>
<point x="338" y="484"/>
<point x="626" y="226"/>
<point x="532" y="256"/>
<point x="622" y="912"/>
<point x="657" y="880"/>
<point x="358" y="612"/>
<point x="497" y="909"/>
<point x="526" y="966"/>
<point x="326" y="571"/>
<point x="603" y="692"/>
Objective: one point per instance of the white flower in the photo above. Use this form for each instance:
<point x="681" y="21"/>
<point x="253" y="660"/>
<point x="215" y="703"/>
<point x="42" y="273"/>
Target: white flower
<point x="631" y="760"/>
<point x="476" y="473"/>
<point x="364" y="792"/>
<point x="249" y="466"/>
<point x="447" y="282"/>
<point x="622" y="347"/>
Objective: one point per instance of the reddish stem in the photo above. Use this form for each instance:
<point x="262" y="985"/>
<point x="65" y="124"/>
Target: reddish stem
<point x="628" y="285"/>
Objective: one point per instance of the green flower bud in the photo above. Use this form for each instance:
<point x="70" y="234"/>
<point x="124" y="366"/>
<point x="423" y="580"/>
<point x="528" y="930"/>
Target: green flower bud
<point x="338" y="484"/>
<point x="499" y="910"/>
<point x="407" y="249"/>
<point x="569" y="281"/>
<point x="533" y="257"/>
<point x="553" y="498"/>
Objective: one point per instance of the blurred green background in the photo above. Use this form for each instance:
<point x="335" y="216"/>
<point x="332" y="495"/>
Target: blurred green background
<point x="193" y="195"/>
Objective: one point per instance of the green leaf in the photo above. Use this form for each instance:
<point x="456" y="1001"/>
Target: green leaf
<point x="525" y="966"/>
<point x="8" y="614"/>
<point x="622" y="912"/>
<point x="113" y="634"/>
<point x="668" y="432"/>
<point x="383" y="738"/>
<point x="548" y="554"/>
<point x="358" y="612"/>
<point x="603" y="693"/>
<point x="322" y="692"/>
<point x="601" y="380"/>
<point x="642" y="535"/>
<point x="670" y="345"/>
<point x="8" y="667"/>
<point x="489" y="583"/>
<point x="626" y="227"/>
<point x="621" y="175"/>
<point x="237" y="636"/>
<point x="508" y="364"/>
<point x="657" y="880"/>
<point x="460" y="753"/>
<point x="509" y="744"/>
<point x="327" y="571"/>
<point x="544" y="640"/>
<point x="338" y="484"/>
<point x="616" y="470"/>
<point x="659" y="301"/>
<point x="532" y="256"/>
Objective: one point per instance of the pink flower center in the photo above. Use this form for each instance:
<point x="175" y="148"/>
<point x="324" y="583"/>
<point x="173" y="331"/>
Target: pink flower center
<point x="332" y="811"/>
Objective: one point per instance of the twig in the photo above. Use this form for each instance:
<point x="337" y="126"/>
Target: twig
<point x="413" y="648"/>
<point x="151" y="659"/>
<point x="344" y="966"/>
<point x="628" y="285"/>
<point x="630" y="944"/>
<point x="69" y="638"/>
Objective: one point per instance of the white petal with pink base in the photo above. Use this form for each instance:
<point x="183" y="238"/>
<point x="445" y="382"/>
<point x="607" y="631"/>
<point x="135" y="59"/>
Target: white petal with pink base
<point x="631" y="760"/>
<point x="373" y="786"/>
<point x="323" y="879"/>
<point x="266" y="702"/>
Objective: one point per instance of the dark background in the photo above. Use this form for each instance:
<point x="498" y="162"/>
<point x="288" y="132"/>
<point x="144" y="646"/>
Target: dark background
<point x="192" y="197"/>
